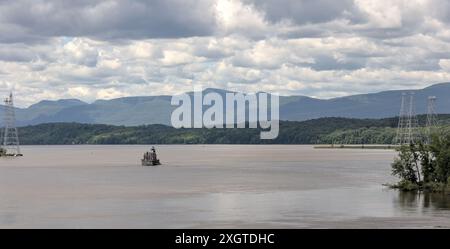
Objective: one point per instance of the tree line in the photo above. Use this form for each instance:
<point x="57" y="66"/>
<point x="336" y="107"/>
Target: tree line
<point x="316" y="131"/>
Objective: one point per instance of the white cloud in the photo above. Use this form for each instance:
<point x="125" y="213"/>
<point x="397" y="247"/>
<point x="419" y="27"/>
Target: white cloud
<point x="445" y="64"/>
<point x="316" y="48"/>
<point x="174" y="58"/>
<point x="81" y="51"/>
<point x="235" y="17"/>
<point x="109" y="64"/>
<point x="78" y="91"/>
<point x="142" y="49"/>
<point x="381" y="14"/>
<point x="109" y="93"/>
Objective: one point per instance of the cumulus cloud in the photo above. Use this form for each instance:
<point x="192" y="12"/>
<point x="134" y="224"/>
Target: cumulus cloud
<point x="322" y="48"/>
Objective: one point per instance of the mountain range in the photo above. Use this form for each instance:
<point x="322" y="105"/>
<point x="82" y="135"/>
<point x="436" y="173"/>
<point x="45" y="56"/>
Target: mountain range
<point x="133" y="111"/>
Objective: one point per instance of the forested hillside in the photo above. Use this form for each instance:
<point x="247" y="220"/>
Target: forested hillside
<point x="323" y="130"/>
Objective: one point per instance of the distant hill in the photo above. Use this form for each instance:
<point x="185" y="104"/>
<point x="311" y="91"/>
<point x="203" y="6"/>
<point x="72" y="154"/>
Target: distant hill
<point x="131" y="111"/>
<point x="45" y="110"/>
<point x="374" y="105"/>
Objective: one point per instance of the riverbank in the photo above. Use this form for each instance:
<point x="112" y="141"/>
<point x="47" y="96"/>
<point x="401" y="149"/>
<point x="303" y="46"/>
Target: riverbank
<point x="357" y="146"/>
<point x="430" y="187"/>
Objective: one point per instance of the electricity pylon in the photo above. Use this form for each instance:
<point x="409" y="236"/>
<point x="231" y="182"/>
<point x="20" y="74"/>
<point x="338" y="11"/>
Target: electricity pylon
<point x="10" y="134"/>
<point x="408" y="122"/>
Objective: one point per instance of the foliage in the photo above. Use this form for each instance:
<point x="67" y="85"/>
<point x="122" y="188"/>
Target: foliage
<point x="371" y="135"/>
<point x="404" y="166"/>
<point x="291" y="132"/>
<point x="440" y="149"/>
<point x="432" y="162"/>
<point x="317" y="131"/>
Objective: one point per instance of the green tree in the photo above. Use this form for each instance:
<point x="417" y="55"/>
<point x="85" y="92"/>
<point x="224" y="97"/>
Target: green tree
<point x="440" y="148"/>
<point x="427" y="164"/>
<point x="404" y="166"/>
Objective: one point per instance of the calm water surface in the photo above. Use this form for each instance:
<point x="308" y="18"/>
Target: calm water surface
<point x="216" y="186"/>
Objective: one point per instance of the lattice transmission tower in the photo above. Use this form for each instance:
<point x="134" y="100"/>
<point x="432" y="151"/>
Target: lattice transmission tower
<point x="407" y="131"/>
<point x="432" y="120"/>
<point x="402" y="122"/>
<point x="10" y="134"/>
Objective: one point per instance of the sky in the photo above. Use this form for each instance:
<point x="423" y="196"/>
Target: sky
<point x="90" y="49"/>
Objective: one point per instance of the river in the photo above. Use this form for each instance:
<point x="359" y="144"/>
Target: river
<point x="209" y="186"/>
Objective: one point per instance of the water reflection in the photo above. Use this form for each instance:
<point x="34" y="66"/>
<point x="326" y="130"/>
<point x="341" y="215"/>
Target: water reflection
<point x="424" y="201"/>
